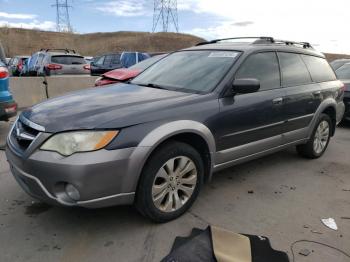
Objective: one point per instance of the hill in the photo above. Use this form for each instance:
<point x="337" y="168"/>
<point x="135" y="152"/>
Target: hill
<point x="18" y="41"/>
<point x="24" y="42"/>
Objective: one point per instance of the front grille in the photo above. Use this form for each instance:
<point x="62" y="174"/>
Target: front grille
<point x="23" y="135"/>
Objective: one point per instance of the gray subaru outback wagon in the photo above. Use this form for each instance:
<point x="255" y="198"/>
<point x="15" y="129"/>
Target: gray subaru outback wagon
<point x="153" y="142"/>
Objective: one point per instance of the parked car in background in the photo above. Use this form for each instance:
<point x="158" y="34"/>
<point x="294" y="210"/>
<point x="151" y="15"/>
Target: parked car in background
<point x="335" y="64"/>
<point x="8" y="107"/>
<point x="62" y="62"/>
<point x="88" y="59"/>
<point x="15" y="65"/>
<point x="126" y="74"/>
<point x="154" y="141"/>
<point x="105" y="63"/>
<point x="131" y="58"/>
<point x="343" y="73"/>
<point x="109" y="62"/>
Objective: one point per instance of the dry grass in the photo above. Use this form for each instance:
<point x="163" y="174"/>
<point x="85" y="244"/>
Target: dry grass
<point x="24" y="42"/>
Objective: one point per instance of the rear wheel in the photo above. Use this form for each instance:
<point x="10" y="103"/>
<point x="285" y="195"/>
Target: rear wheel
<point x="170" y="182"/>
<point x="319" y="140"/>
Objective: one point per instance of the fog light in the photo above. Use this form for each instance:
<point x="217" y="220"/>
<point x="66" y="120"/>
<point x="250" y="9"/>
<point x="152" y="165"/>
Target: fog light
<point x="72" y="192"/>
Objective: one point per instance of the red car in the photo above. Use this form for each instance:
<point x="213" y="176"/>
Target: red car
<point x="126" y="74"/>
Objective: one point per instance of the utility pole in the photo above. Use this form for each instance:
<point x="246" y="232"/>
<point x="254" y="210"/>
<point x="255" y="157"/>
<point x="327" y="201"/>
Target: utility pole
<point x="165" y="13"/>
<point x="62" y="16"/>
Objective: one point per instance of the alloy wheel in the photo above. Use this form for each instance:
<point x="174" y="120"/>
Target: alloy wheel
<point x="174" y="184"/>
<point x="321" y="137"/>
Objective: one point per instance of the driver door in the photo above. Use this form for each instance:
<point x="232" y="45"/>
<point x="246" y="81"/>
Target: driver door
<point x="252" y="123"/>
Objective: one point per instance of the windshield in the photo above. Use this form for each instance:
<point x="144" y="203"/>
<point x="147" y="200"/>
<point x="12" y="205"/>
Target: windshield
<point x="192" y="71"/>
<point x="343" y="72"/>
<point x="146" y="63"/>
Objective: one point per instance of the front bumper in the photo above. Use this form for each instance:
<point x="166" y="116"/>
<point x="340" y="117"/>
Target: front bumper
<point x="103" y="178"/>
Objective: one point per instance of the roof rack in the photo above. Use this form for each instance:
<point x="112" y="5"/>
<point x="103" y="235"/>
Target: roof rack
<point x="58" y="49"/>
<point x="260" y="40"/>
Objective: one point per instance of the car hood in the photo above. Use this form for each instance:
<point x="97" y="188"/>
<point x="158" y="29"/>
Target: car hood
<point x="122" y="74"/>
<point x="114" y="106"/>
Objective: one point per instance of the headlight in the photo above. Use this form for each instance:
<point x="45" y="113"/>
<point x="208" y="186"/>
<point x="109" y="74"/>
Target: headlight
<point x="81" y="141"/>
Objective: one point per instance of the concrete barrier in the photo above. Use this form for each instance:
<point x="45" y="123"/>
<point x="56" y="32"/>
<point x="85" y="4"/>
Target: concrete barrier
<point x="59" y="85"/>
<point x="28" y="91"/>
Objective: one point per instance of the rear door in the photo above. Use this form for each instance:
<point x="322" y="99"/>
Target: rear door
<point x="252" y="123"/>
<point x="302" y="96"/>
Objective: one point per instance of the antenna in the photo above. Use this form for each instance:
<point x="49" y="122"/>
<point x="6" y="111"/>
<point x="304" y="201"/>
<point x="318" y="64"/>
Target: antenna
<point x="165" y="13"/>
<point x="62" y="16"/>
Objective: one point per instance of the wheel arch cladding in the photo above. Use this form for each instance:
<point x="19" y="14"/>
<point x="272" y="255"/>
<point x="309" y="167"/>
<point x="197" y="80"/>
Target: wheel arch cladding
<point x="331" y="112"/>
<point x="194" y="133"/>
<point x="328" y="106"/>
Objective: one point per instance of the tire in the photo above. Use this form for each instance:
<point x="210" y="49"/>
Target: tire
<point x="158" y="186"/>
<point x="310" y="149"/>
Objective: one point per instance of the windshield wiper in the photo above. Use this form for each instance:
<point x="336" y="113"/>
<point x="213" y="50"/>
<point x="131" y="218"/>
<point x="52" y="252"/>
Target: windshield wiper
<point x="153" y="86"/>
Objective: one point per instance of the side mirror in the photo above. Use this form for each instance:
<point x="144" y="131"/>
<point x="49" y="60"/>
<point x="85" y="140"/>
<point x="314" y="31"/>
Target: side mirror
<point x="245" y="86"/>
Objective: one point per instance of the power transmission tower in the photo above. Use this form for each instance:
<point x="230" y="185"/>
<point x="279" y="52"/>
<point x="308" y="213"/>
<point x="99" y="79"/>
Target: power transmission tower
<point x="62" y="16"/>
<point x="165" y="13"/>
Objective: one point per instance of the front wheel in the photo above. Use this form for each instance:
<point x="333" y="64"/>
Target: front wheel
<point x="170" y="182"/>
<point x="319" y="140"/>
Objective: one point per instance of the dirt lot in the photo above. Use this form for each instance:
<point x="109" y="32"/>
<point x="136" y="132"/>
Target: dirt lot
<point x="289" y="195"/>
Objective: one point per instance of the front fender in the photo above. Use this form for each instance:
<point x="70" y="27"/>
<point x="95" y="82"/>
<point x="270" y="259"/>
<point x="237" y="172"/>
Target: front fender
<point x="160" y="134"/>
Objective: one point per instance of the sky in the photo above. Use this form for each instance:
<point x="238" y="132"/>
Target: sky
<point x="323" y="23"/>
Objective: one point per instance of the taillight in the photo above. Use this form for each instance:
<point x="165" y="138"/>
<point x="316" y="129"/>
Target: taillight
<point x="11" y="109"/>
<point x="20" y="65"/>
<point x="3" y="72"/>
<point x="53" y="67"/>
<point x="343" y="88"/>
<point x="87" y="67"/>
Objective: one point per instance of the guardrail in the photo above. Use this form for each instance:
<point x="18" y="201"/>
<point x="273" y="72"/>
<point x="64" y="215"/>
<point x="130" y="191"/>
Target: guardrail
<point x="28" y="91"/>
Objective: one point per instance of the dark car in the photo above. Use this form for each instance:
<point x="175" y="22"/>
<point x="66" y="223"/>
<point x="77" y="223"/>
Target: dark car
<point x="105" y="63"/>
<point x="16" y="65"/>
<point x="155" y="141"/>
<point x="335" y="64"/>
<point x="8" y="107"/>
<point x="126" y="74"/>
<point x="343" y="73"/>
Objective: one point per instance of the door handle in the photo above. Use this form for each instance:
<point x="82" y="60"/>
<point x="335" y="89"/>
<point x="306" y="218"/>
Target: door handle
<point x="278" y="101"/>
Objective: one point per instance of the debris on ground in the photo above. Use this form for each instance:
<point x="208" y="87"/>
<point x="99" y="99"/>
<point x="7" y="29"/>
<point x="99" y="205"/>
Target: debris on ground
<point x="345" y="217"/>
<point x="346" y="190"/>
<point x="250" y="192"/>
<point x="330" y="223"/>
<point x="306" y="226"/>
<point x="316" y="232"/>
<point x="305" y="252"/>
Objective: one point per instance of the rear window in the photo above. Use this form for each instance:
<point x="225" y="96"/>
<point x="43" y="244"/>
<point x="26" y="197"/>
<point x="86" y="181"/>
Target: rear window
<point x="319" y="68"/>
<point x="293" y="69"/>
<point x="343" y="72"/>
<point x="68" y="60"/>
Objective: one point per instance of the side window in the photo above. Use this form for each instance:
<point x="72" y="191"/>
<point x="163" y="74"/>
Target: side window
<point x="264" y="67"/>
<point x="100" y="60"/>
<point x="116" y="59"/>
<point x="319" y="68"/>
<point x="294" y="71"/>
<point x="108" y="60"/>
